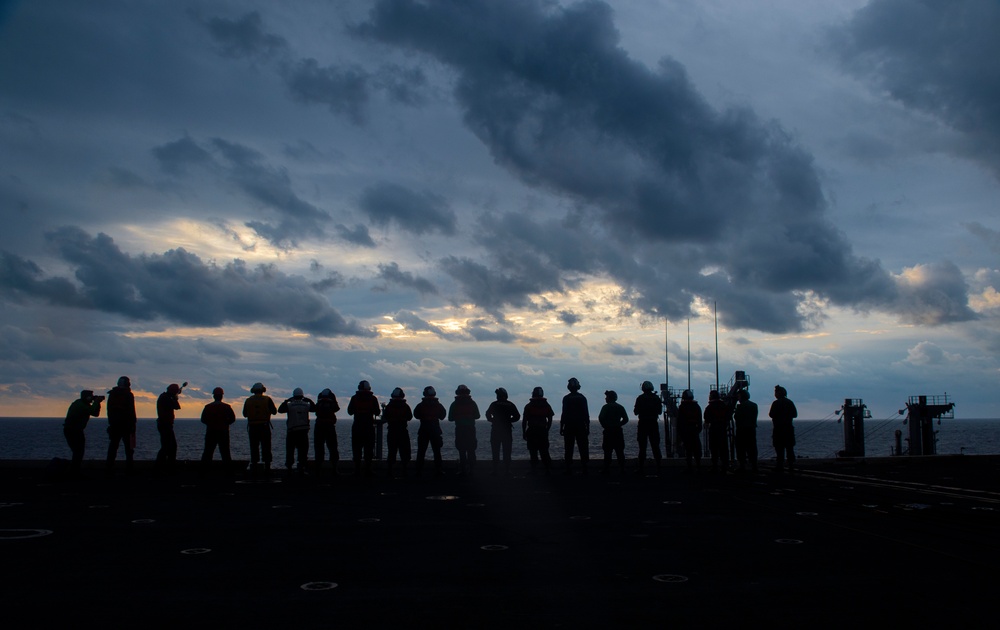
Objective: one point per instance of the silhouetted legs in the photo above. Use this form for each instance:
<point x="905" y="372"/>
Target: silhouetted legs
<point x="399" y="443"/>
<point x="166" y="457"/>
<point x="746" y="448"/>
<point x="325" y="437"/>
<point x="614" y="442"/>
<point x="501" y="442"/>
<point x="260" y="443"/>
<point x="77" y="442"/>
<point x="362" y="446"/>
<point x="297" y="441"/>
<point x="719" y="445"/>
<point x="117" y="436"/>
<point x="648" y="432"/>
<point x="581" y="441"/>
<point x="538" y="448"/>
<point x="436" y="442"/>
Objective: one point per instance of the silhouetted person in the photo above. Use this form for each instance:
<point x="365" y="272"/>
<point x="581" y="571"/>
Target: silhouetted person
<point x="717" y="421"/>
<point x="298" y="408"/>
<point x="537" y="420"/>
<point x="430" y="412"/>
<point x="612" y="418"/>
<point x="396" y="414"/>
<point x="464" y="412"/>
<point x="166" y="405"/>
<point x="574" y="424"/>
<point x="121" y="423"/>
<point x="217" y="416"/>
<point x="78" y="415"/>
<point x="258" y="409"/>
<point x="783" y="435"/>
<point x="647" y="410"/>
<point x="325" y="433"/>
<point x="365" y="408"/>
<point x="689" y="425"/>
<point x="745" y="417"/>
<point x="502" y="414"/>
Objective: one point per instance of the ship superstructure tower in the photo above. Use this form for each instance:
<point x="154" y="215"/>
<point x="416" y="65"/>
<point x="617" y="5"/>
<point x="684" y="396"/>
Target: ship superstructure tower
<point x="853" y="415"/>
<point x="920" y="416"/>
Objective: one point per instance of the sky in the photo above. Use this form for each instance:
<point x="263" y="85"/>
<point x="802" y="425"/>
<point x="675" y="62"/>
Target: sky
<point x="500" y="193"/>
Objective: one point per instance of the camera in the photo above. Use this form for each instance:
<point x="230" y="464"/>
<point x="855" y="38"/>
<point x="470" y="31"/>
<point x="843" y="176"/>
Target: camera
<point x="99" y="398"/>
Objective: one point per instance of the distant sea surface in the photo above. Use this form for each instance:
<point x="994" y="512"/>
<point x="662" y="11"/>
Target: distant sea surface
<point x="42" y="439"/>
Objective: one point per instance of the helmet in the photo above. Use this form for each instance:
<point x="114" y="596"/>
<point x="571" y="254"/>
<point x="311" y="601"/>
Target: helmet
<point x="538" y="392"/>
<point x="573" y="384"/>
<point x="647" y="386"/>
<point x="713" y="395"/>
<point x="687" y="395"/>
<point x="501" y="393"/>
<point x="173" y="389"/>
<point x="298" y="393"/>
<point x="397" y="393"/>
<point x="463" y="390"/>
<point x="430" y="392"/>
<point x="364" y="386"/>
<point x="326" y="393"/>
<point x="257" y="388"/>
<point x="612" y="394"/>
<point x="123" y="381"/>
<point x="217" y="393"/>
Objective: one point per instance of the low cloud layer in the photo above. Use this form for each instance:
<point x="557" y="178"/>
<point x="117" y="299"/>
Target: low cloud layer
<point x="176" y="287"/>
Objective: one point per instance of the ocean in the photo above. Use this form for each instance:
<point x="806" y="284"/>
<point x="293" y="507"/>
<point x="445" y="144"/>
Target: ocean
<point x="42" y="439"/>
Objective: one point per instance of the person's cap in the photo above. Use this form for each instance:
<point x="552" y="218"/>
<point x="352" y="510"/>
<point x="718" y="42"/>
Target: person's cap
<point x="257" y="388"/>
<point x="297" y="393"/>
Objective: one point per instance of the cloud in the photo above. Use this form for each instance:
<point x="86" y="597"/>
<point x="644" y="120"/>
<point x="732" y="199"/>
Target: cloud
<point x="990" y="237"/>
<point x="269" y="187"/>
<point x="344" y="90"/>
<point x="426" y="368"/>
<point x="391" y="273"/>
<point x="244" y="37"/>
<point x="175" y="286"/>
<point x="357" y="235"/>
<point x="932" y="295"/>
<point x="416" y="212"/>
<point x="939" y="58"/>
<point x="925" y="353"/>
<point x="662" y="185"/>
<point x="412" y="321"/>
<point x="529" y="370"/>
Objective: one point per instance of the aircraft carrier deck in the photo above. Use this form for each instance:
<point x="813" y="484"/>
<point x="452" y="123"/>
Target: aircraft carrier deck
<point x="890" y="540"/>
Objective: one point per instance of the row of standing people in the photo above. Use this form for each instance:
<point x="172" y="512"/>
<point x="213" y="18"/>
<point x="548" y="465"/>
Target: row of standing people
<point x="502" y="414"/>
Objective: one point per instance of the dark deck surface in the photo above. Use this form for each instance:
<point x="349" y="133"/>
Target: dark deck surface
<point x="910" y="540"/>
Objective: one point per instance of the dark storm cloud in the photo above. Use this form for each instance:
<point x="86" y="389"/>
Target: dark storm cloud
<point x="391" y="273"/>
<point x="489" y="289"/>
<point x="268" y="187"/>
<point x="942" y="58"/>
<point x="344" y="88"/>
<point x="568" y="317"/>
<point x="244" y="37"/>
<point x="416" y="212"/>
<point x="175" y="286"/>
<point x="664" y="185"/>
<point x="412" y="321"/>
<point x="358" y="235"/>
<point x="990" y="237"/>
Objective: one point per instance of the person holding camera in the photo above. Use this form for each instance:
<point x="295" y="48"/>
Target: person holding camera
<point x="166" y="405"/>
<point x="79" y="413"/>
